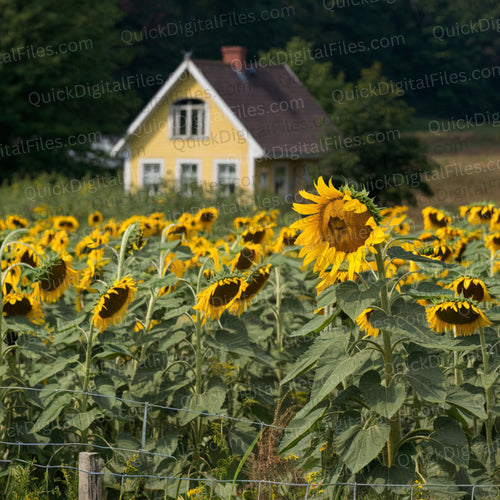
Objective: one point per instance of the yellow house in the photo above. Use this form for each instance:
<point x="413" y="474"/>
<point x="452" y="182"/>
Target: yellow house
<point x="222" y="124"/>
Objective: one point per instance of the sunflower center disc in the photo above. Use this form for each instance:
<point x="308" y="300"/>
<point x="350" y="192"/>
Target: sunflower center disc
<point x="55" y="277"/>
<point x="19" y="308"/>
<point x="113" y="302"/>
<point x="461" y="317"/>
<point x="473" y="290"/>
<point x="437" y="222"/>
<point x="223" y="294"/>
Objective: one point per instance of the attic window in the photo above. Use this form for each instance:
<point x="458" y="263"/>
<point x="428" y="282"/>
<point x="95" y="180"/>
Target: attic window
<point x="189" y="118"/>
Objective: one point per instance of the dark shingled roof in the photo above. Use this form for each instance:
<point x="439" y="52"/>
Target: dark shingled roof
<point x="272" y="104"/>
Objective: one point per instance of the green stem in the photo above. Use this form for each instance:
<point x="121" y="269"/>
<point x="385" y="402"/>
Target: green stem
<point x="86" y="379"/>
<point x="199" y="353"/>
<point x="458" y="371"/>
<point x="395" y="425"/>
<point x="123" y="248"/>
<point x="489" y="397"/>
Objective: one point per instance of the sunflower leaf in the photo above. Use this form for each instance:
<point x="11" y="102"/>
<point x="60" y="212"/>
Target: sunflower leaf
<point x="315" y="325"/>
<point x="385" y="401"/>
<point x="353" y="300"/>
<point x="52" y="411"/>
<point x="449" y="442"/>
<point x="399" y="253"/>
<point x="425" y="376"/>
<point x="468" y="399"/>
<point x="358" y="446"/>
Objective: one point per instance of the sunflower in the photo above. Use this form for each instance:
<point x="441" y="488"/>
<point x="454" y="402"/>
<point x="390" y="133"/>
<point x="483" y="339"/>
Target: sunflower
<point x="285" y="239"/>
<point x="239" y="222"/>
<point x="113" y="303"/>
<point x="92" y="246"/>
<point x="15" y="222"/>
<point x="493" y="243"/>
<point x="66" y="222"/>
<point x="434" y="218"/>
<point x="47" y="237"/>
<point x="54" y="279"/>
<point x="95" y="218"/>
<point x="339" y="227"/>
<point x="60" y="241"/>
<point x="176" y="266"/>
<point x="20" y="304"/>
<point x="495" y="220"/>
<point x="206" y="217"/>
<point x="481" y="214"/>
<point x="462" y="317"/>
<point x="26" y="255"/>
<point x="363" y="321"/>
<point x="471" y="288"/>
<point x="254" y="285"/>
<point x="219" y="296"/>
<point x="246" y="257"/>
<point x="111" y="228"/>
<point x="157" y="222"/>
<point x="258" y="234"/>
<point x="11" y="279"/>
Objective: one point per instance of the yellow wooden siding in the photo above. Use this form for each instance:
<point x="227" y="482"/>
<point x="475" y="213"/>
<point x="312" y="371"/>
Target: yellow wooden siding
<point x="223" y="142"/>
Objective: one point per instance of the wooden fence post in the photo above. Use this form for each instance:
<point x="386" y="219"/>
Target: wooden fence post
<point x="90" y="485"/>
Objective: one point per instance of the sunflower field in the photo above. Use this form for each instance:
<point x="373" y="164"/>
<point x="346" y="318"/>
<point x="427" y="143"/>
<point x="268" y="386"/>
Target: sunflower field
<point x="252" y="359"/>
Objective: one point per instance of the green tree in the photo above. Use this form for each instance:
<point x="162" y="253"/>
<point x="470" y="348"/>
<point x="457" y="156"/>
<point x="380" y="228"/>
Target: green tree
<point x="366" y="145"/>
<point x="372" y="150"/>
<point x="60" y="91"/>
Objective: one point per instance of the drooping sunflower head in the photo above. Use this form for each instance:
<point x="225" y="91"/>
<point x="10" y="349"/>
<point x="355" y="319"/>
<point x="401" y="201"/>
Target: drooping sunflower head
<point x="481" y="214"/>
<point x="95" y="218"/>
<point x="493" y="243"/>
<point x="60" y="241"/>
<point x="15" y="222"/>
<point x="113" y="303"/>
<point x="246" y="257"/>
<point x="340" y="225"/>
<point x="205" y="218"/>
<point x="258" y="234"/>
<point x="255" y="283"/>
<point x="240" y="222"/>
<point x="25" y="254"/>
<point x="363" y="321"/>
<point x="66" y="222"/>
<point x="92" y="246"/>
<point x="459" y="316"/>
<point x="434" y="218"/>
<point x="286" y="238"/>
<point x="20" y="304"/>
<point x="219" y="296"/>
<point x="471" y="288"/>
<point x="495" y="220"/>
<point x="53" y="278"/>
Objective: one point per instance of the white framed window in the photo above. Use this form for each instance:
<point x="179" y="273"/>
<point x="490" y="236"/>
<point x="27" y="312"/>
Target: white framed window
<point x="227" y="175"/>
<point x="188" y="175"/>
<point x="151" y="174"/>
<point x="189" y="119"/>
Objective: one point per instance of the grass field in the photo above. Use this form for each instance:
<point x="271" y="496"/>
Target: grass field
<point x="469" y="168"/>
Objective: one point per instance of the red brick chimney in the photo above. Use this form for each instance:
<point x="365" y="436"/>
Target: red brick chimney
<point x="235" y="56"/>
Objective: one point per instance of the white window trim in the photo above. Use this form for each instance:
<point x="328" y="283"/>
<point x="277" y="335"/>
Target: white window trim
<point x="178" y="163"/>
<point x="142" y="161"/>
<point x="171" y="120"/>
<point x="215" y="170"/>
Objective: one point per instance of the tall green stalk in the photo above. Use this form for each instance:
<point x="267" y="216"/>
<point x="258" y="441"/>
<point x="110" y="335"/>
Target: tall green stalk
<point x="490" y="400"/>
<point x="395" y="425"/>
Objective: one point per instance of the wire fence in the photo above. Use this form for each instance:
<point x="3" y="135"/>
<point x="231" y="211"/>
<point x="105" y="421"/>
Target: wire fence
<point x="309" y="489"/>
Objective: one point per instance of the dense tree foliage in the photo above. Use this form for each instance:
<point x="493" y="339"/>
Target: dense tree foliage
<point x="122" y="51"/>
